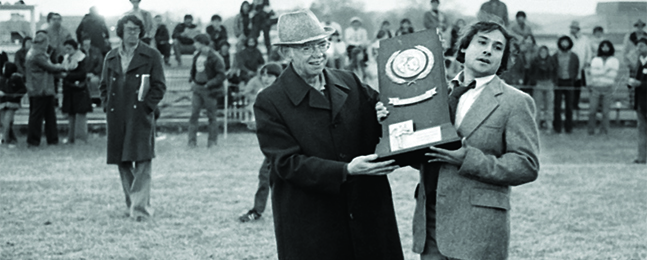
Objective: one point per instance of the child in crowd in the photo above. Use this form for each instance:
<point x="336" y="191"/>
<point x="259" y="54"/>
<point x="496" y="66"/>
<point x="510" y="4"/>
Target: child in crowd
<point x="542" y="76"/>
<point x="405" y="27"/>
<point x="266" y="76"/>
<point x="12" y="88"/>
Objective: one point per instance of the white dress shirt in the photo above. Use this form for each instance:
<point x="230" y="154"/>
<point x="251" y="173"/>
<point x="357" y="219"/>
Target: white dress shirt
<point x="467" y="99"/>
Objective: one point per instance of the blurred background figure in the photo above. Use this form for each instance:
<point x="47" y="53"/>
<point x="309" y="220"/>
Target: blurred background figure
<point x="596" y="38"/>
<point x="248" y="60"/>
<point x="183" y="34"/>
<point x="520" y="29"/>
<point x="567" y="69"/>
<point x="528" y="49"/>
<point x="405" y="27"/>
<point x="207" y="77"/>
<point x="604" y="71"/>
<point x="542" y="77"/>
<point x="39" y="74"/>
<point x="514" y="74"/>
<point x="638" y="83"/>
<point x="453" y="37"/>
<point x="162" y="38"/>
<point x="76" y="96"/>
<point x="326" y="20"/>
<point x="355" y="35"/>
<point x="582" y="49"/>
<point x="434" y="18"/>
<point x="145" y="17"/>
<point x="337" y="52"/>
<point x="12" y="88"/>
<point x="385" y="30"/>
<point x="225" y="54"/>
<point x="263" y="17"/>
<point x="94" y="26"/>
<point x="357" y="63"/>
<point x="217" y="32"/>
<point x="266" y="76"/>
<point x="242" y="24"/>
<point x="57" y="35"/>
<point x="630" y="52"/>
<point x="494" y="11"/>
<point x="21" y="54"/>
<point x="94" y="65"/>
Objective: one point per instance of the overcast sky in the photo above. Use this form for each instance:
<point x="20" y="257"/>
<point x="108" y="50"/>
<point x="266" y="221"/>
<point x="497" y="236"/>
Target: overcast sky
<point x="226" y="8"/>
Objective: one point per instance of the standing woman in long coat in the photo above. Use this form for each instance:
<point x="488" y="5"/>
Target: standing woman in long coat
<point x="76" y="96"/>
<point x="130" y="124"/>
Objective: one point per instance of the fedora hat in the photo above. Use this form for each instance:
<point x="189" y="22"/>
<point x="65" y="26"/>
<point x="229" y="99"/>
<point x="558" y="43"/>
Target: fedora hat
<point x="300" y="27"/>
<point x="639" y="23"/>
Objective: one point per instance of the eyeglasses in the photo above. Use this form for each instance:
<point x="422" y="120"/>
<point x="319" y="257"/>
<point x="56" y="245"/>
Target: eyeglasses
<point x="309" y="49"/>
<point x="132" y="30"/>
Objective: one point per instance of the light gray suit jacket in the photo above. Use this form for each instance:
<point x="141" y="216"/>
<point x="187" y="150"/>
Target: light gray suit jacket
<point x="473" y="200"/>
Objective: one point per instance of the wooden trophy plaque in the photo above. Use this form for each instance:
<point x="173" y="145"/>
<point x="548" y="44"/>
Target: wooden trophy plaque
<point x="413" y="87"/>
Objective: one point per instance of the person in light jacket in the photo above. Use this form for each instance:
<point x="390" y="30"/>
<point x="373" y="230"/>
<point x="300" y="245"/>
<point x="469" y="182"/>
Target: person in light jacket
<point x="604" y="70"/>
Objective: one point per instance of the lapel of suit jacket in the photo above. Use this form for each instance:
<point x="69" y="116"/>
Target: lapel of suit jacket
<point x="337" y="91"/>
<point x="297" y="89"/>
<point x="482" y="108"/>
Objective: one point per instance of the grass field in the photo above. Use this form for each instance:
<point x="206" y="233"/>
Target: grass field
<point x="64" y="202"/>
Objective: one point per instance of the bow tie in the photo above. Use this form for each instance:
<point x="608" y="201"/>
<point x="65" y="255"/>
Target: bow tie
<point x="455" y="95"/>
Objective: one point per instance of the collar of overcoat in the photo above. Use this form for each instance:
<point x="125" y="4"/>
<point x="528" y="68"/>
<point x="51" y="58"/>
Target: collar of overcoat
<point x="141" y="57"/>
<point x="483" y="106"/>
<point x="297" y="89"/>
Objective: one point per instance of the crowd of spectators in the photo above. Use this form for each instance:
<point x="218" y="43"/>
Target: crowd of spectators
<point x="556" y="80"/>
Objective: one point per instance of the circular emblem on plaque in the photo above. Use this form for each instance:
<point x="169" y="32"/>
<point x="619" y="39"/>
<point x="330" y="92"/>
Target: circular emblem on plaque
<point x="409" y="63"/>
<point x="416" y="62"/>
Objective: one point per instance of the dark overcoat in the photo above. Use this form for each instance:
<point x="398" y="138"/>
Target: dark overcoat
<point x="321" y="212"/>
<point x="130" y="125"/>
<point x="76" y="95"/>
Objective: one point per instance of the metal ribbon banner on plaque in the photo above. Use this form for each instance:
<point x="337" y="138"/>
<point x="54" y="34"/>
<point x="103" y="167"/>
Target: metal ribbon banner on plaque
<point x="408" y="101"/>
<point x="416" y="62"/>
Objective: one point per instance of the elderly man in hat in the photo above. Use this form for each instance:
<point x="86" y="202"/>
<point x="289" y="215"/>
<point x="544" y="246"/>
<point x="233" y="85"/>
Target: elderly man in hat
<point x="317" y="127"/>
<point x="582" y="49"/>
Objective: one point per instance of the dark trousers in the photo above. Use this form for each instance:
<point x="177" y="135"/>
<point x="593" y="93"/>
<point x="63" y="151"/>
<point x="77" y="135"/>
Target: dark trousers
<point x="6" y="117"/>
<point x="202" y="99"/>
<point x="578" y="84"/>
<point x="431" y="251"/>
<point x="136" y="182"/>
<point x="567" y="96"/>
<point x="42" y="108"/>
<point x="165" y="50"/>
<point x="266" y="36"/>
<point x="263" y="191"/>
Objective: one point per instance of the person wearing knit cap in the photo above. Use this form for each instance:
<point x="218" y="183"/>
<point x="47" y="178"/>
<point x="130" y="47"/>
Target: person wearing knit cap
<point x="39" y="79"/>
<point x="207" y="77"/>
